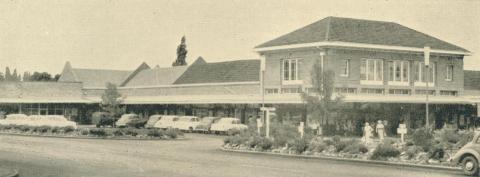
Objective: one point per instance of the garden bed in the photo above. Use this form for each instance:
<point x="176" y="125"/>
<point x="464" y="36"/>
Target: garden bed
<point x="422" y="148"/>
<point x="100" y="133"/>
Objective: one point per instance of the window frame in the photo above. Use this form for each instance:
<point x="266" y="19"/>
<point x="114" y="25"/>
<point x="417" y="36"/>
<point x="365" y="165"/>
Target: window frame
<point x="449" y="72"/>
<point x="290" y="80"/>
<point x="404" y="80"/>
<point x="419" y="74"/>
<point x="345" y="68"/>
<point x="377" y="63"/>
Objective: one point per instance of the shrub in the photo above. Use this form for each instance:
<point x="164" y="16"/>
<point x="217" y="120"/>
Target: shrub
<point x="24" y="128"/>
<point x="355" y="147"/>
<point x="412" y="151"/>
<point x="262" y="143"/>
<point x="341" y="145"/>
<point x="299" y="145"/>
<point x="437" y="152"/>
<point x="283" y="134"/>
<point x="172" y="133"/>
<point x="118" y="132"/>
<point x="423" y="138"/>
<point x="42" y="129"/>
<point x="384" y="151"/>
<point x="55" y="129"/>
<point x="155" y="133"/>
<point x="98" y="132"/>
<point x="233" y="132"/>
<point x="84" y="132"/>
<point x="317" y="145"/>
<point x="236" y="140"/>
<point x="445" y="135"/>
<point x="131" y="132"/>
<point x="68" y="129"/>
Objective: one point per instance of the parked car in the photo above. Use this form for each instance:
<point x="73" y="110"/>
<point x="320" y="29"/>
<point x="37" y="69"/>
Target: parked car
<point x="130" y="120"/>
<point x="225" y="124"/>
<point x="152" y="120"/>
<point x="166" y="122"/>
<point x="468" y="156"/>
<point x="206" y="123"/>
<point x="187" y="123"/>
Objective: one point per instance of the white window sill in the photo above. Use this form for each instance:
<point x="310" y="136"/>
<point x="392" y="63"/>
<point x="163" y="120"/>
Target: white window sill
<point x="364" y="82"/>
<point x="424" y="84"/>
<point x="292" y="82"/>
<point x="398" y="83"/>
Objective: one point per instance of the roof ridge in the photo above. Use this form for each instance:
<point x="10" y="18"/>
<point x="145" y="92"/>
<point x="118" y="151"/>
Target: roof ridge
<point x="101" y="69"/>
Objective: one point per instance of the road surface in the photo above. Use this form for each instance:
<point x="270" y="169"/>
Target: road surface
<point x="197" y="155"/>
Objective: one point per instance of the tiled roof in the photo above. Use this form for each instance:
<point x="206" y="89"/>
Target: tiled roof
<point x="471" y="80"/>
<point x="360" y="31"/>
<point x="99" y="77"/>
<point x="221" y="72"/>
<point x="157" y="76"/>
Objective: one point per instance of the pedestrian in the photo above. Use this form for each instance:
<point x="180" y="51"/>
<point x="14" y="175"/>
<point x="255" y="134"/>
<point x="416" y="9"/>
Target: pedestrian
<point x="367" y="133"/>
<point x="380" y="129"/>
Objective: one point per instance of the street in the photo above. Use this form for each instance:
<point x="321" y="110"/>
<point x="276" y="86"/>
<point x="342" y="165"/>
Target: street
<point x="197" y="155"/>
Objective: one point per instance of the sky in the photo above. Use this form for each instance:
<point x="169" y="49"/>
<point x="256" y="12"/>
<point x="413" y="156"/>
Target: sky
<point x="41" y="35"/>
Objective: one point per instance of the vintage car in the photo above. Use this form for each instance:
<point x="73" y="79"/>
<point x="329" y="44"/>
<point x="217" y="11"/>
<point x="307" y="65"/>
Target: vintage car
<point x="206" y="123"/>
<point x="130" y="120"/>
<point x="187" y="123"/>
<point x="468" y="156"/>
<point x="38" y="120"/>
<point x="166" y="122"/>
<point x="15" y="119"/>
<point x="225" y="124"/>
<point x="152" y="120"/>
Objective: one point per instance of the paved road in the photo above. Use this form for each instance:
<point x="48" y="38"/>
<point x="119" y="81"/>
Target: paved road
<point x="198" y="155"/>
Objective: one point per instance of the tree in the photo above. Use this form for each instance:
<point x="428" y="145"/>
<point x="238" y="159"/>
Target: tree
<point x="26" y="76"/>
<point x="44" y="76"/>
<point x="181" y="54"/>
<point x="2" y="78"/>
<point x="111" y="100"/>
<point x="57" y="76"/>
<point x="15" y="76"/>
<point x="8" y="75"/>
<point x="319" y="101"/>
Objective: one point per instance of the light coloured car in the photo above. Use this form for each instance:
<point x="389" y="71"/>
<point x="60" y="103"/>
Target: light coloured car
<point x="206" y="123"/>
<point x="166" y="122"/>
<point x="125" y="119"/>
<point x="152" y="120"/>
<point x="225" y="124"/>
<point x="468" y="156"/>
<point x="186" y="123"/>
<point x="38" y="120"/>
<point x="15" y="119"/>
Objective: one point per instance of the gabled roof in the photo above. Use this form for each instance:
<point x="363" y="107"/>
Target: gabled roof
<point x="471" y="80"/>
<point x="93" y="77"/>
<point x="336" y="29"/>
<point x="157" y="76"/>
<point x="221" y="72"/>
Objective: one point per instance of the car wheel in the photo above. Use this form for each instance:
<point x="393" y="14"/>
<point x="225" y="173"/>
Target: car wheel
<point x="470" y="165"/>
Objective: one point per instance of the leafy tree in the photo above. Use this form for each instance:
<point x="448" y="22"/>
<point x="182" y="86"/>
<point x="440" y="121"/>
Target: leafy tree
<point x="2" y="78"/>
<point x="111" y="100"/>
<point x="15" y="76"/>
<point x="181" y="54"/>
<point x="44" y="76"/>
<point x="57" y="76"/>
<point x="8" y="75"/>
<point x="319" y="100"/>
<point x="26" y="76"/>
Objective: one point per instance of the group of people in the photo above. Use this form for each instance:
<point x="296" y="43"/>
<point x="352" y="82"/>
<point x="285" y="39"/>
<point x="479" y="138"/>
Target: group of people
<point x="368" y="132"/>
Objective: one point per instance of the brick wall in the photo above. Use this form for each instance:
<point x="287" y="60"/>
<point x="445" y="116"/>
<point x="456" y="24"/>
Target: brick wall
<point x="334" y="59"/>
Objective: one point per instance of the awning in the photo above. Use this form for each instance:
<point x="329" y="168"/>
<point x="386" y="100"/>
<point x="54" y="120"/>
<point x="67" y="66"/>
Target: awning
<point x="44" y="100"/>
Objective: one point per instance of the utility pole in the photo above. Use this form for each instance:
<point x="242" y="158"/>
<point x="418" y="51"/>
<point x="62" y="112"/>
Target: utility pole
<point x="427" y="76"/>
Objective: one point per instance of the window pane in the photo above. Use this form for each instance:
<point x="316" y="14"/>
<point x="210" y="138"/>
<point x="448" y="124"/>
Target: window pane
<point x="285" y="70"/>
<point x="363" y="70"/>
<point x="390" y="71"/>
<point x="397" y="70"/>
<point x="406" y="69"/>
<point x="379" y="70"/>
<point x="293" y="66"/>
<point x="416" y="71"/>
<point x="423" y="71"/>
<point x="371" y="70"/>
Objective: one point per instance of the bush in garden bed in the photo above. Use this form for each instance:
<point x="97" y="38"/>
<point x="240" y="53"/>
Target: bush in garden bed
<point x="42" y="129"/>
<point x="422" y="137"/>
<point x="355" y="147"/>
<point x="317" y="145"/>
<point x="98" y="132"/>
<point x="259" y="142"/>
<point x="155" y="133"/>
<point x="299" y="145"/>
<point x="384" y="151"/>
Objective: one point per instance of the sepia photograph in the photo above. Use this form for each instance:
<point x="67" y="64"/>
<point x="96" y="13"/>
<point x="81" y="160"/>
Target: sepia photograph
<point x="239" y="88"/>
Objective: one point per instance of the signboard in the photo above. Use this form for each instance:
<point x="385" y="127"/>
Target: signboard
<point x="402" y="130"/>
<point x="426" y="53"/>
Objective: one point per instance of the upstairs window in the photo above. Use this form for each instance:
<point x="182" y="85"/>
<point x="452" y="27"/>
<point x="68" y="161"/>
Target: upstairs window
<point x="345" y="66"/>
<point x="290" y="72"/>
<point x="398" y="72"/>
<point x="421" y="73"/>
<point x="371" y="71"/>
<point x="449" y="71"/>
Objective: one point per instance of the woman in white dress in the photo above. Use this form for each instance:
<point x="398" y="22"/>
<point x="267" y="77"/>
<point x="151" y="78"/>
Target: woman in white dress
<point x="367" y="133"/>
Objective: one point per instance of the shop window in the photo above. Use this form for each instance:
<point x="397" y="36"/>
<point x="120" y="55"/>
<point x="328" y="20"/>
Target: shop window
<point x="424" y="92"/>
<point x="270" y="91"/>
<point x="399" y="91"/>
<point x="346" y="90"/>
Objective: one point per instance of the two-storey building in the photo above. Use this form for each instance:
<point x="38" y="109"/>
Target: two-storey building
<point x="381" y="63"/>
